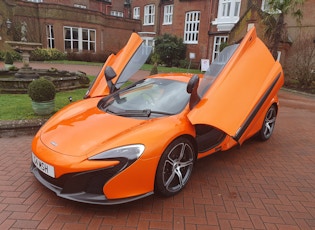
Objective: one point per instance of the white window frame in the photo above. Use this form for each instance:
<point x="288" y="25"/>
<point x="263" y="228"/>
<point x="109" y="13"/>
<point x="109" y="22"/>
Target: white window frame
<point x="76" y="42"/>
<point x="37" y="1"/>
<point x="50" y="36"/>
<point x="191" y="30"/>
<point x="149" y="14"/>
<point x="228" y="14"/>
<point x="218" y="40"/>
<point x="148" y="41"/>
<point x="90" y="40"/>
<point x="229" y="8"/>
<point x="136" y="12"/>
<point x="117" y="13"/>
<point x="80" y="6"/>
<point x="168" y="15"/>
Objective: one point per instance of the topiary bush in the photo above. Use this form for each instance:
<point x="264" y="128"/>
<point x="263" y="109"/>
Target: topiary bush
<point x="41" y="90"/>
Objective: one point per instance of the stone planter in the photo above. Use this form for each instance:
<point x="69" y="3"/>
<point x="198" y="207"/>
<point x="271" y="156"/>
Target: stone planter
<point x="43" y="108"/>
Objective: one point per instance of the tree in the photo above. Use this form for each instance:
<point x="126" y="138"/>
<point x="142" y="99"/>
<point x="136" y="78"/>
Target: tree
<point x="274" y="20"/>
<point x="301" y="64"/>
<point x="169" y="50"/>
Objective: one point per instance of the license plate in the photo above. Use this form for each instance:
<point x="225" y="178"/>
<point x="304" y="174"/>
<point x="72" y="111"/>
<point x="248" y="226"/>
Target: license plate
<point x="43" y="166"/>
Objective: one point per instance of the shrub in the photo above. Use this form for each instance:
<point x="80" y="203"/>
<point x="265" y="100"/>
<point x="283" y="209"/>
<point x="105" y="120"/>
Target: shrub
<point x="8" y="59"/>
<point x="41" y="90"/>
<point x="154" y="69"/>
<point x="170" y="50"/>
<point x="183" y="63"/>
<point x="47" y="55"/>
<point x="88" y="56"/>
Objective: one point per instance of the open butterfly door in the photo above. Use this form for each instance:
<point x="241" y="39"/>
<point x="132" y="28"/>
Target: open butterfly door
<point x="248" y="80"/>
<point x="125" y="63"/>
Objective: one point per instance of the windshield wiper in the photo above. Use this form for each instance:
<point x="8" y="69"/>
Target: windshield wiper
<point x="137" y="113"/>
<point x="131" y="113"/>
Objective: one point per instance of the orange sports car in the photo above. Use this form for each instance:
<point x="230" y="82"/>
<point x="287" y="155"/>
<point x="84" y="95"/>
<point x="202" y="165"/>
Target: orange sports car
<point x="125" y="141"/>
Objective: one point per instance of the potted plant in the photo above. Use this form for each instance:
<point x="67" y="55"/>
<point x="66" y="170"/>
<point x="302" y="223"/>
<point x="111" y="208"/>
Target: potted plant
<point x="8" y="60"/>
<point x="42" y="92"/>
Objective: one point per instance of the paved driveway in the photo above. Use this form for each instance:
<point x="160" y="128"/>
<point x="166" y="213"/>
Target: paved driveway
<point x="268" y="185"/>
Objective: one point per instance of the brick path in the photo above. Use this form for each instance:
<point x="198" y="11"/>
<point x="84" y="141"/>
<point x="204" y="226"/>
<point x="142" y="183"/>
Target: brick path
<point x="269" y="185"/>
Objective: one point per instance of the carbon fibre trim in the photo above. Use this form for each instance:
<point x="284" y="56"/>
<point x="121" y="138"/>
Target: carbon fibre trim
<point x="82" y="196"/>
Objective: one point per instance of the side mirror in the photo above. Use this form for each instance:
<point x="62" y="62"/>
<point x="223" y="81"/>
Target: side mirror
<point x="192" y="84"/>
<point x="192" y="88"/>
<point x="110" y="74"/>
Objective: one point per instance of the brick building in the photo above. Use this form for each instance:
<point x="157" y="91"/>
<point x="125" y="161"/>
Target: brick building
<point x="105" y="25"/>
<point x="69" y="25"/>
<point x="205" y="24"/>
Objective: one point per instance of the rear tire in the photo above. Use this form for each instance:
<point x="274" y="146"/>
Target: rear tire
<point x="175" y="167"/>
<point x="268" y="124"/>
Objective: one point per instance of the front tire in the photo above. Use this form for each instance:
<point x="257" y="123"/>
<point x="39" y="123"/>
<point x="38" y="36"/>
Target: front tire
<point x="269" y="123"/>
<point x="175" y="167"/>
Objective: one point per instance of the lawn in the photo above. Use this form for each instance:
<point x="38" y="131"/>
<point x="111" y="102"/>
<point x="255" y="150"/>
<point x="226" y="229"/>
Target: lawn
<point x="18" y="106"/>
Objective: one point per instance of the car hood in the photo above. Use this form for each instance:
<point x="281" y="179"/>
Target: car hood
<point x="81" y="129"/>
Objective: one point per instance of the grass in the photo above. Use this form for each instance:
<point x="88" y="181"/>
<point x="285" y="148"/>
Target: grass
<point x="19" y="107"/>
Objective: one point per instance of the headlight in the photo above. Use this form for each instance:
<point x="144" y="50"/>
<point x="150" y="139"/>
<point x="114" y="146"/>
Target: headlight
<point x="130" y="152"/>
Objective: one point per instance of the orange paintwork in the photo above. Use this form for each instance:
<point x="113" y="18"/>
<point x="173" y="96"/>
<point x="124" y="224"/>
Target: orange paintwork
<point x="81" y="130"/>
<point x="239" y="87"/>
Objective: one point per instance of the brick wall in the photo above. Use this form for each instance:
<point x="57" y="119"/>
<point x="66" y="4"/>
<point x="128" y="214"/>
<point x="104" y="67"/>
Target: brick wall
<point x="111" y="32"/>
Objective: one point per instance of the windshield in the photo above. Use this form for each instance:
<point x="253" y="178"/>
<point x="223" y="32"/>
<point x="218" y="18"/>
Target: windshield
<point x="215" y="68"/>
<point x="147" y="98"/>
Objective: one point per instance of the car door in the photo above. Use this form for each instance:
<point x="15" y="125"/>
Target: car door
<point x="125" y="63"/>
<point x="236" y="86"/>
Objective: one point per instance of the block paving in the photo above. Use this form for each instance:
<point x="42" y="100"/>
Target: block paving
<point x="260" y="185"/>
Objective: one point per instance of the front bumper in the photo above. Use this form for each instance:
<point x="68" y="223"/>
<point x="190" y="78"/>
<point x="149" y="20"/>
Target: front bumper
<point x="85" y="187"/>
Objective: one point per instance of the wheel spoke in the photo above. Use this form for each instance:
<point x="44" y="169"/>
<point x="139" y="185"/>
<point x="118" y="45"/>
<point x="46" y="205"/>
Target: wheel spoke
<point x="169" y="173"/>
<point x="268" y="129"/>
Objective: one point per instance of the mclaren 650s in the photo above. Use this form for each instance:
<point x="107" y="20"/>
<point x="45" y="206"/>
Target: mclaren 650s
<point x="129" y="139"/>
